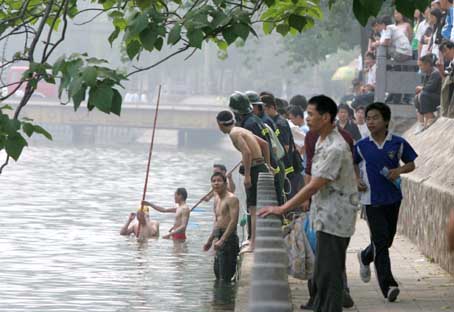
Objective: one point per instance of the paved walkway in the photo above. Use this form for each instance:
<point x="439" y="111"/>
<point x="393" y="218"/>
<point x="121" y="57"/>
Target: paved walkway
<point x="424" y="285"/>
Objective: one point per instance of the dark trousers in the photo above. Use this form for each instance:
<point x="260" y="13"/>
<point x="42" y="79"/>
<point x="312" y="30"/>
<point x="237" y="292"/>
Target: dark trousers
<point x="328" y="272"/>
<point x="382" y="221"/>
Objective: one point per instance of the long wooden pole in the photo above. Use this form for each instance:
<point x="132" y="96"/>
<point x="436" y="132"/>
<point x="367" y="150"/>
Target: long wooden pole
<point x="202" y="199"/>
<point x="150" y="151"/>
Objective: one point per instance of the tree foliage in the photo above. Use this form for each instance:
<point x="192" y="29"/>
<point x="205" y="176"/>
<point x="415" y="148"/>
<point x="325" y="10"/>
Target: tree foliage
<point x="339" y="30"/>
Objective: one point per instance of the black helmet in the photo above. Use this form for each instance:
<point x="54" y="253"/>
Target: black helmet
<point x="254" y="98"/>
<point x="239" y="103"/>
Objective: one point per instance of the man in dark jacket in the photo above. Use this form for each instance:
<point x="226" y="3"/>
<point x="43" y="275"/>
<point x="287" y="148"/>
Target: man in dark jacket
<point x="428" y="95"/>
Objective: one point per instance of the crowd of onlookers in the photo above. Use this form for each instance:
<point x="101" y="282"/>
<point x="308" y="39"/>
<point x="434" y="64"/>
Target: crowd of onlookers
<point x="429" y="39"/>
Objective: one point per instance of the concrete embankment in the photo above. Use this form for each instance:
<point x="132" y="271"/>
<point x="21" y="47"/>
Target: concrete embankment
<point x="429" y="192"/>
<point x="244" y="282"/>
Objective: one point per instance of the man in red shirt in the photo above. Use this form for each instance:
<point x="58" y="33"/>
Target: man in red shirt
<point x="309" y="145"/>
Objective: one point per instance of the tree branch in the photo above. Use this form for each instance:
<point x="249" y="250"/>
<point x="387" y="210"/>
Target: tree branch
<point x="138" y="69"/>
<point x="63" y="33"/>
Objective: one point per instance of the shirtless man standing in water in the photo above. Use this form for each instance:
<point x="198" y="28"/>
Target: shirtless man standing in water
<point x="143" y="230"/>
<point x="255" y="157"/>
<point x="181" y="210"/>
<point x="224" y="238"/>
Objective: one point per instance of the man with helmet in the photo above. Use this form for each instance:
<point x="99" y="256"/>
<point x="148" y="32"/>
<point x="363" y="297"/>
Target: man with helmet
<point x="242" y="108"/>
<point x="258" y="109"/>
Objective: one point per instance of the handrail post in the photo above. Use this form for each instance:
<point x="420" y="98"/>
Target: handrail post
<point x="380" y="89"/>
<point x="270" y="291"/>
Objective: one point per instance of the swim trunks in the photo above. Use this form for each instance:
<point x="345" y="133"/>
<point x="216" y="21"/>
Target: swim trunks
<point x="179" y="236"/>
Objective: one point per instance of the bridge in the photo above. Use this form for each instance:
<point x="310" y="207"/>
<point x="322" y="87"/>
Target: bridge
<point x="190" y="116"/>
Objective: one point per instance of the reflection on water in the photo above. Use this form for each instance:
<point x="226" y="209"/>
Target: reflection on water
<point x="62" y="210"/>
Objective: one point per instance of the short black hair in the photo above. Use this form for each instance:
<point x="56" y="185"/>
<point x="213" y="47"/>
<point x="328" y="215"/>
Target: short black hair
<point x="446" y="44"/>
<point x="323" y="105"/>
<point x="429" y="59"/>
<point x="269" y="100"/>
<point x="220" y="166"/>
<point x="296" y="111"/>
<point x="225" y="118"/>
<point x="361" y="107"/>
<point x="182" y="192"/>
<point x="299" y="100"/>
<point x="218" y="174"/>
<point x="371" y="55"/>
<point x="281" y="105"/>
<point x="263" y="93"/>
<point x="385" y="19"/>
<point x="382" y="108"/>
<point x="343" y="106"/>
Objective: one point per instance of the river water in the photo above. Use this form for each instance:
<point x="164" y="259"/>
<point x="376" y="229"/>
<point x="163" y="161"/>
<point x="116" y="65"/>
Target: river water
<point x="61" y="210"/>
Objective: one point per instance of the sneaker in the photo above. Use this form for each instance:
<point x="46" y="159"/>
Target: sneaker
<point x="419" y="128"/>
<point x="364" y="270"/>
<point x="393" y="292"/>
<point x="348" y="301"/>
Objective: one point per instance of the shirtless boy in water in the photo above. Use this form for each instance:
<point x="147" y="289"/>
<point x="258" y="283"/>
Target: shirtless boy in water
<point x="224" y="239"/>
<point x="145" y="229"/>
<point x="181" y="210"/>
<point x="255" y="157"/>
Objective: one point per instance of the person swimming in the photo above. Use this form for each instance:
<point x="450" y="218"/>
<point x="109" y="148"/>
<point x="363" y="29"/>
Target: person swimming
<point x="144" y="229"/>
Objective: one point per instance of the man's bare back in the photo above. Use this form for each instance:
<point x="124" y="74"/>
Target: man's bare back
<point x="239" y="135"/>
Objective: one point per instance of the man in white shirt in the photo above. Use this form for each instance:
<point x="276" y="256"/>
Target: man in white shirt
<point x="371" y="68"/>
<point x="395" y="38"/>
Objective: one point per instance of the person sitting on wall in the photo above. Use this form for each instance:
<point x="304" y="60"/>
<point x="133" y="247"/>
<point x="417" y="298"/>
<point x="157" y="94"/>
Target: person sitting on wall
<point x="428" y="95"/>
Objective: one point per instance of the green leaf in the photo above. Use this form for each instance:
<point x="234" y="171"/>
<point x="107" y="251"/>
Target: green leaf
<point x="174" y="35"/>
<point x="159" y="43"/>
<point x="116" y="102"/>
<point x="222" y="45"/>
<point x="143" y="4"/>
<point x="242" y="30"/>
<point x="89" y="75"/>
<point x="138" y="24"/>
<point x="229" y="35"/>
<point x="133" y="49"/>
<point x="14" y="145"/>
<point x="148" y="38"/>
<point x="2" y="142"/>
<point x="296" y="21"/>
<point x="195" y="37"/>
<point x="283" y="29"/>
<point x="268" y="27"/>
<point x="28" y="128"/>
<point x="42" y="131"/>
<point x="113" y="35"/>
<point x="101" y="97"/>
<point x="79" y="96"/>
<point x="269" y="3"/>
<point x="6" y="107"/>
<point x="11" y="126"/>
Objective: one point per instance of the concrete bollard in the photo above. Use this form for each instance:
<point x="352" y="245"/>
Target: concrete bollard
<point x="270" y="291"/>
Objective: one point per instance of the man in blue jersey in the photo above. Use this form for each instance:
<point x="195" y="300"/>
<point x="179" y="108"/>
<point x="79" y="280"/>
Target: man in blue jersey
<point x="379" y="158"/>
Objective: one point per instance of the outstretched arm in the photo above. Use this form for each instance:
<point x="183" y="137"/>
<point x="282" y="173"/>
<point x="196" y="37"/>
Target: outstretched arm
<point x="158" y="208"/>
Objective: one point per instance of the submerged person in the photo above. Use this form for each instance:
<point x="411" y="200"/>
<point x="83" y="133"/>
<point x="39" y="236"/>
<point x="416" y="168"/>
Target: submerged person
<point x="144" y="229"/>
<point x="224" y="238"/>
<point x="255" y="157"/>
<point x="182" y="212"/>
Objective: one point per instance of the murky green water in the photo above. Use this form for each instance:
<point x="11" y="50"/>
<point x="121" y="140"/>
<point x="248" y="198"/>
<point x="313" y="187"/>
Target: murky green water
<point x="61" y="210"/>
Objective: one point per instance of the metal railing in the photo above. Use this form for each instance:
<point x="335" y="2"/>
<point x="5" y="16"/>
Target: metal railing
<point x="270" y="291"/>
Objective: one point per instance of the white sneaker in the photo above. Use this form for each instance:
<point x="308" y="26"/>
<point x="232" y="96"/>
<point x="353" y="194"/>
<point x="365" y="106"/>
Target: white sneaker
<point x="364" y="270"/>
<point x="419" y="128"/>
<point x="393" y="292"/>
